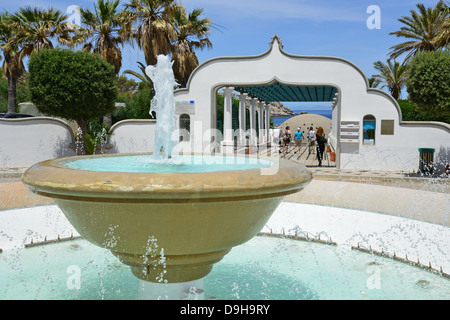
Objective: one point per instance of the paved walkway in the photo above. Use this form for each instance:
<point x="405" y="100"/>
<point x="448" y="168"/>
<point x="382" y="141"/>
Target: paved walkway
<point x="395" y="193"/>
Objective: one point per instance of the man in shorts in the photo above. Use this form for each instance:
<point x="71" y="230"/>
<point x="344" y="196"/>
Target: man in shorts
<point x="298" y="139"/>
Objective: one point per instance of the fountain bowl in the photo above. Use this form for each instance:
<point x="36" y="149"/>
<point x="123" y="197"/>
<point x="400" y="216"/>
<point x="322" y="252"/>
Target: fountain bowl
<point x="168" y="227"/>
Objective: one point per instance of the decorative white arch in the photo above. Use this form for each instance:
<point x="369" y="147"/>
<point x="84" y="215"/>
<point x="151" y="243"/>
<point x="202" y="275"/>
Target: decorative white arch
<point x="397" y="141"/>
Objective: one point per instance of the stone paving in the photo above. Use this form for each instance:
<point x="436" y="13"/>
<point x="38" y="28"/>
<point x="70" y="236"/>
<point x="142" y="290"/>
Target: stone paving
<point x="397" y="193"/>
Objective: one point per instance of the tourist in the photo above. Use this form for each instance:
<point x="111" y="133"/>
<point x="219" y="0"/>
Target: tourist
<point x="287" y="137"/>
<point x="321" y="141"/>
<point x="311" y="138"/>
<point x="298" y="139"/>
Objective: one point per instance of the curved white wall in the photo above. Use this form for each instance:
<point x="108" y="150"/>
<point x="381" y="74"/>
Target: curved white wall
<point x="27" y="141"/>
<point x="130" y="136"/>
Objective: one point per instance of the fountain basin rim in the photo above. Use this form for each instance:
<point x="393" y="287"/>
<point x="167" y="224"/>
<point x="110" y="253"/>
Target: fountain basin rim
<point x="50" y="178"/>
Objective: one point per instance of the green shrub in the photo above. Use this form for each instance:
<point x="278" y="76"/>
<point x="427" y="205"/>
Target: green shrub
<point x="138" y="107"/>
<point x="76" y="86"/>
<point x="428" y="83"/>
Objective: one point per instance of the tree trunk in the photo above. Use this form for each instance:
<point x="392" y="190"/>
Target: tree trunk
<point x="12" y="90"/>
<point x="395" y="92"/>
<point x="80" y="139"/>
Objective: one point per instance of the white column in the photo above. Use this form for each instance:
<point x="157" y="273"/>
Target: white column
<point x="267" y="119"/>
<point x="242" y="120"/>
<point x="228" y="143"/>
<point x="253" y="102"/>
<point x="261" y="122"/>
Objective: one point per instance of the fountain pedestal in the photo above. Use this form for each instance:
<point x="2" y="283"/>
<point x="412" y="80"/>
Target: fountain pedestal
<point x="166" y="226"/>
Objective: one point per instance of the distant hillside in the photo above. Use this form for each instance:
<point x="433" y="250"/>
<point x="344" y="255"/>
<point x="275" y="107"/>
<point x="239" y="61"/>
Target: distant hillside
<point x="277" y="109"/>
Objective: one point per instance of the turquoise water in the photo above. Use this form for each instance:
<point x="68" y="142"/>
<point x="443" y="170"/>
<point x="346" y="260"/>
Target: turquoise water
<point x="263" y="268"/>
<point x="183" y="163"/>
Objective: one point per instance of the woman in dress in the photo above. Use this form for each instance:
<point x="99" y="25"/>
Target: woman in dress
<point x="320" y="143"/>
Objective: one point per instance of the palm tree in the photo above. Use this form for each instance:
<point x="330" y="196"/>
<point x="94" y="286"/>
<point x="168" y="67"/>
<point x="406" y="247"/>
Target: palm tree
<point x="393" y="75"/>
<point x="422" y="28"/>
<point x="443" y="38"/>
<point x="105" y="28"/>
<point x="191" y="33"/>
<point x="37" y="26"/>
<point x="374" y="82"/>
<point x="13" y="56"/>
<point x="148" y="22"/>
<point x="145" y="79"/>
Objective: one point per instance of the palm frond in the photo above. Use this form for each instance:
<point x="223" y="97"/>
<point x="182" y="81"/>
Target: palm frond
<point x="145" y="79"/>
<point x="103" y="27"/>
<point x="150" y="23"/>
<point x="393" y="75"/>
<point x="191" y="32"/>
<point x="424" y="28"/>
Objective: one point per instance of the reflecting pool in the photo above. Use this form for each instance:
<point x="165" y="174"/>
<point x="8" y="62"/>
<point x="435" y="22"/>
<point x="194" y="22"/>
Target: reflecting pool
<point x="263" y="268"/>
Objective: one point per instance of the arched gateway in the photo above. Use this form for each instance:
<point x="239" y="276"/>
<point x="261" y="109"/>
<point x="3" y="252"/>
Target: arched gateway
<point x="278" y="76"/>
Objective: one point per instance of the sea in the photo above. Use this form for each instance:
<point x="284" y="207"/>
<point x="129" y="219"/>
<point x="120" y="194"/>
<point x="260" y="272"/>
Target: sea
<point x="279" y="120"/>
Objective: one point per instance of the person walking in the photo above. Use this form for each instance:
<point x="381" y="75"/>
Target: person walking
<point x="311" y="139"/>
<point x="321" y="141"/>
<point x="287" y="137"/>
<point x="298" y="139"/>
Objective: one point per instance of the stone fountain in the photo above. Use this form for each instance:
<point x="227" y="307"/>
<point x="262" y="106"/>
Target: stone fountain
<point x="168" y="226"/>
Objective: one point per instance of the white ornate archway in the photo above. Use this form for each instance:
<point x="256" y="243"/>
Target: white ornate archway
<point x="396" y="141"/>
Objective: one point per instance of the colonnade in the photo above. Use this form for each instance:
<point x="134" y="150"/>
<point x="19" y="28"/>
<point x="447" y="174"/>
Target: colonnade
<point x="263" y="120"/>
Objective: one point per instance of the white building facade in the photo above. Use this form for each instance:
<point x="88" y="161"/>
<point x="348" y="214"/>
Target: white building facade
<point x="367" y="128"/>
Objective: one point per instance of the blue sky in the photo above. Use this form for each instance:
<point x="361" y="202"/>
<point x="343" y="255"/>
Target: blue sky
<point x="306" y="27"/>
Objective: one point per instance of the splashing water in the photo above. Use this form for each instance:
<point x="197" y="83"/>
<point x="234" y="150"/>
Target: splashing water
<point x="79" y="148"/>
<point x="163" y="105"/>
<point x="101" y="139"/>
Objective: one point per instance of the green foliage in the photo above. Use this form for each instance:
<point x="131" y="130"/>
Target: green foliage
<point x="126" y="87"/>
<point x="74" y="85"/>
<point x="423" y="30"/>
<point x="145" y="79"/>
<point x="138" y="106"/>
<point x="393" y="75"/>
<point x="428" y="83"/>
<point x="91" y="143"/>
<point x="220" y="106"/>
<point x="23" y="94"/>
<point x="411" y="112"/>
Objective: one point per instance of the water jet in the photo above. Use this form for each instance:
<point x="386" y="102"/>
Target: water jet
<point x="169" y="221"/>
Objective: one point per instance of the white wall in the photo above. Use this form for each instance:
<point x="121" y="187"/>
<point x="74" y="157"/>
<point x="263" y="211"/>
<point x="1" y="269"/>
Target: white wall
<point x="355" y="100"/>
<point x="397" y="152"/>
<point x="130" y="136"/>
<point x="27" y="141"/>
